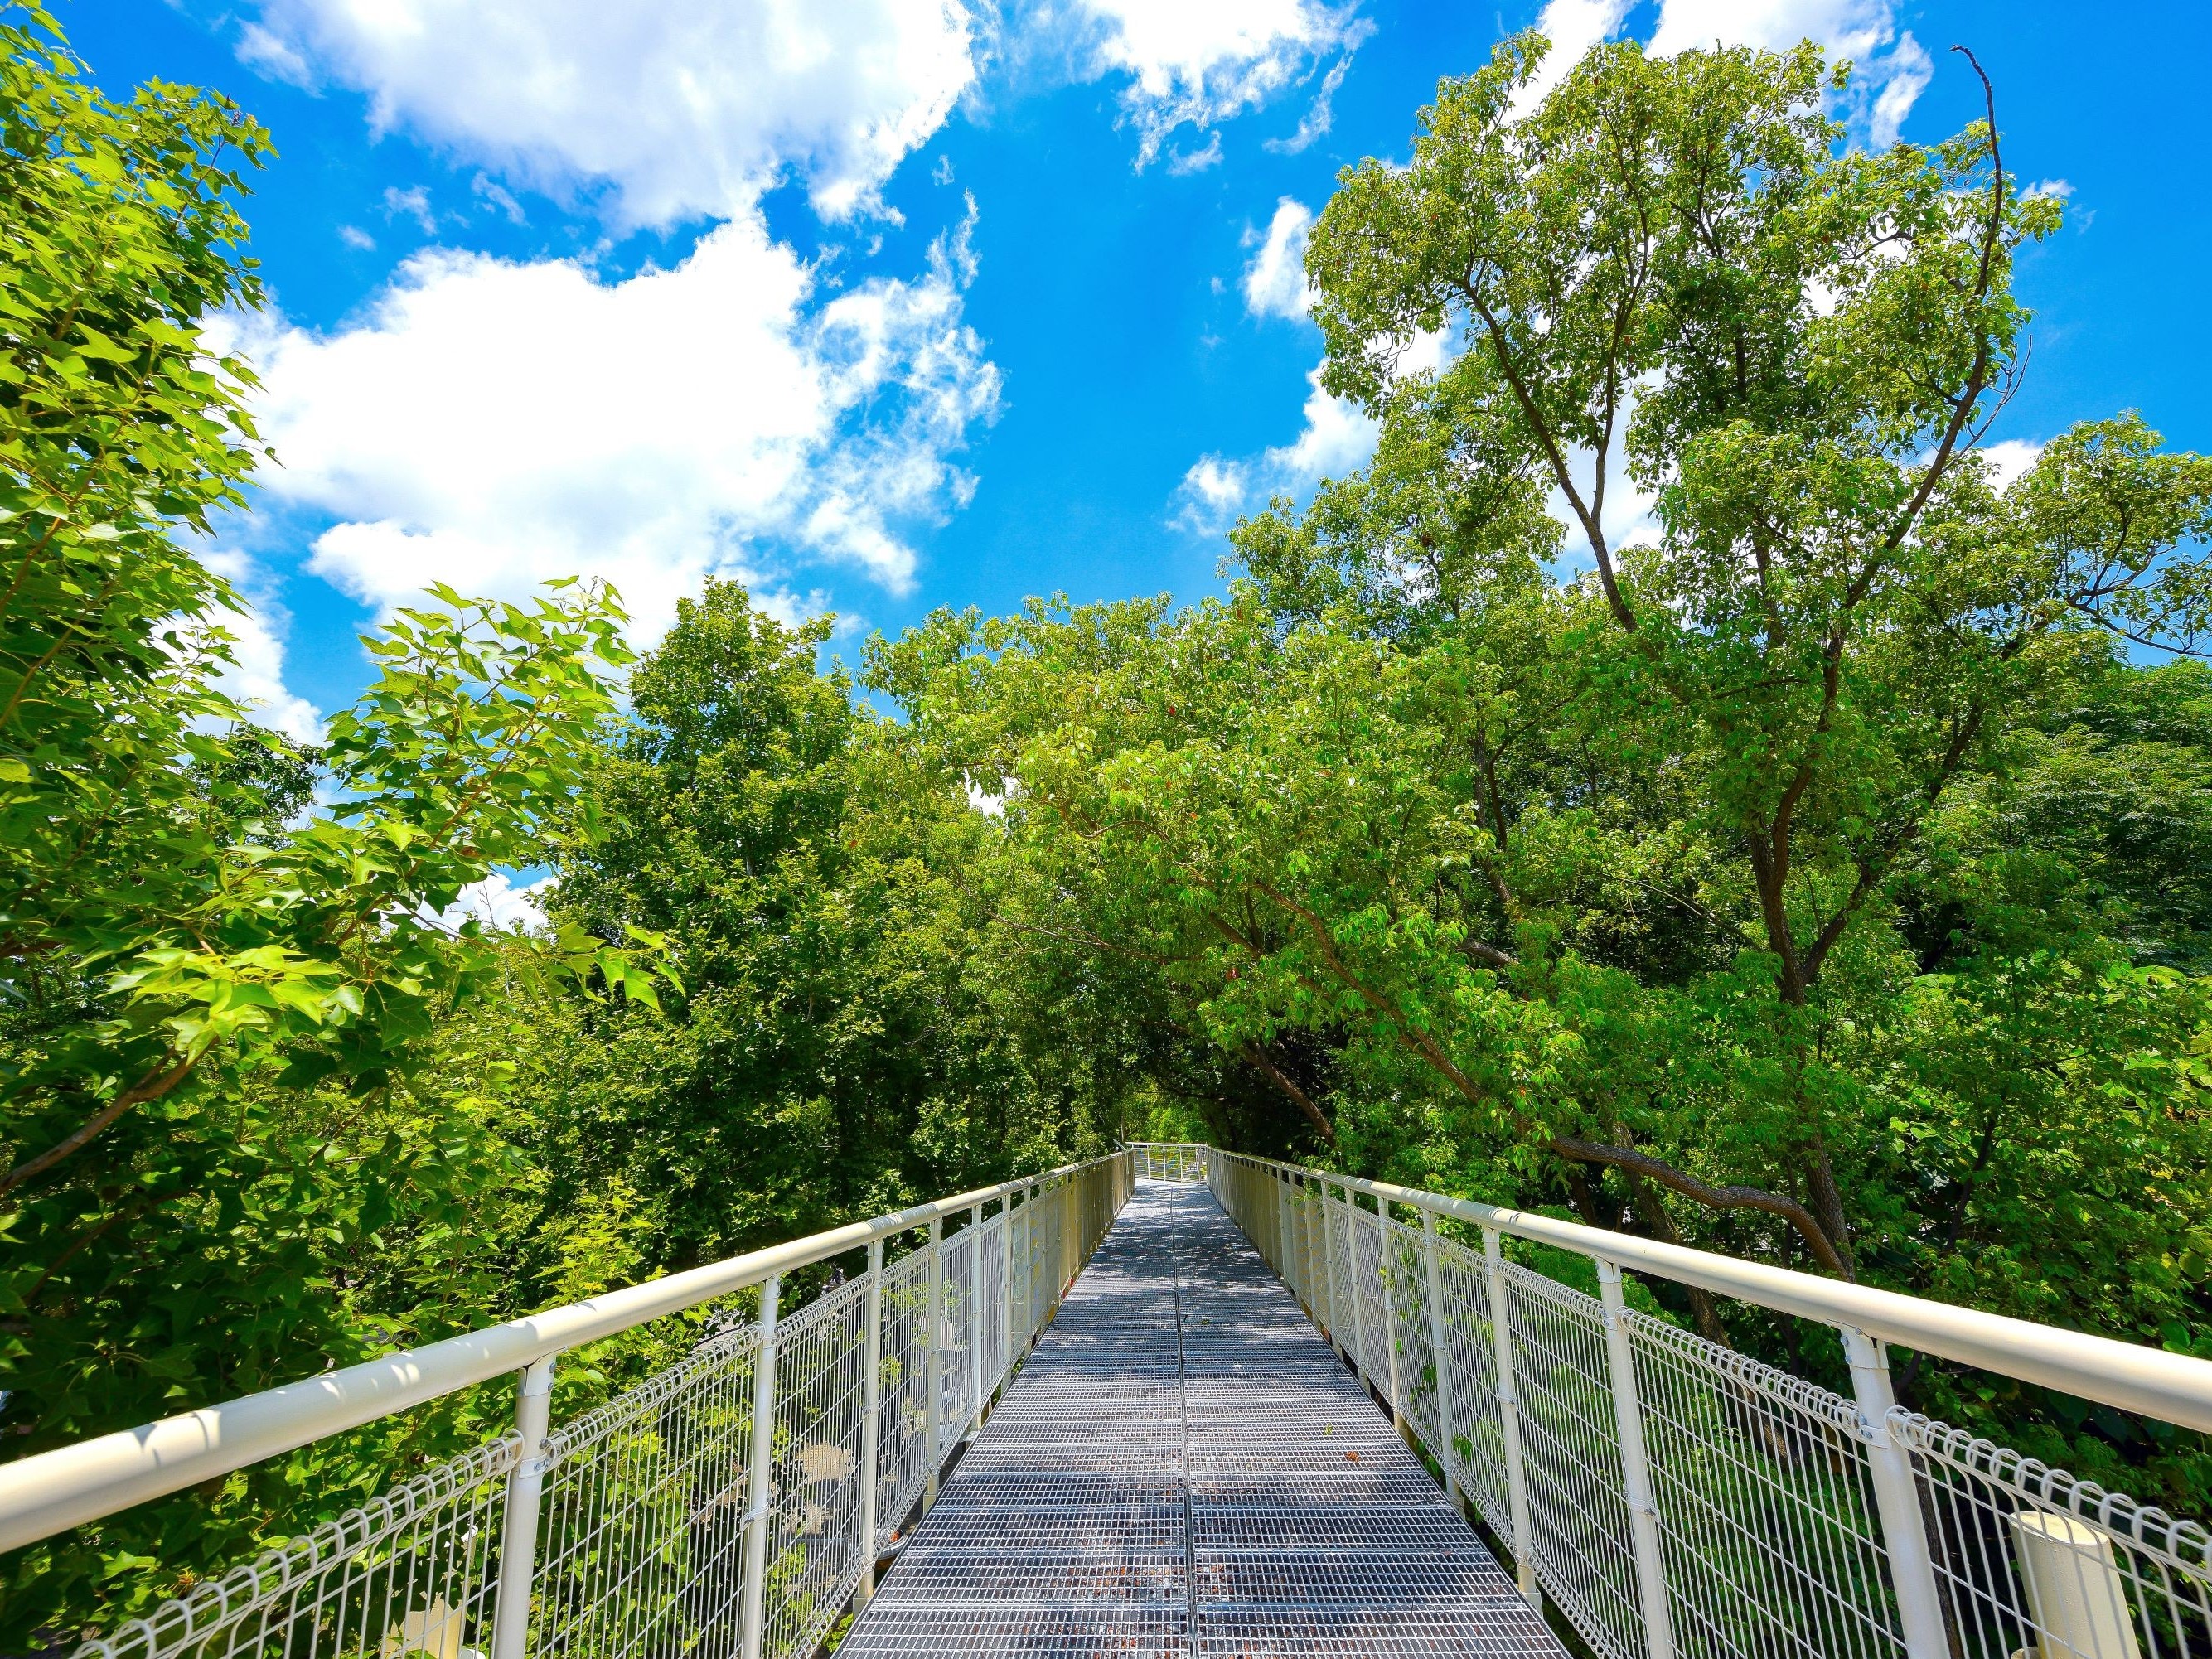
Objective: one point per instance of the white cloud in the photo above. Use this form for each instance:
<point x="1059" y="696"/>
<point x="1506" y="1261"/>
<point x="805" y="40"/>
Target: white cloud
<point x="256" y="676"/>
<point x="1572" y="26"/>
<point x="489" y="190"/>
<point x="1199" y="62"/>
<point x="2009" y="458"/>
<point x="414" y="203"/>
<point x="492" y="423"/>
<point x="496" y="903"/>
<point x="1337" y="438"/>
<point x="1893" y="68"/>
<point x="1275" y="282"/>
<point x="687" y="107"/>
<point x="274" y="57"/>
<point x="1319" y="115"/>
<point x="355" y="238"/>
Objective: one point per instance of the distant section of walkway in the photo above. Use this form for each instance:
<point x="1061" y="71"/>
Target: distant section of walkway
<point x="1184" y="1466"/>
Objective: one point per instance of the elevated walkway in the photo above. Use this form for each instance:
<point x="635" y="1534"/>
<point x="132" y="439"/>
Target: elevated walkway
<point x="1184" y="1466"/>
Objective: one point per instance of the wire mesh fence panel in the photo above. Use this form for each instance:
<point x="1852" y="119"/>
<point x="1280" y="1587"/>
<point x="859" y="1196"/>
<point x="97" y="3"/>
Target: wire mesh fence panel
<point x="1337" y="1233"/>
<point x="902" y="1402"/>
<point x="993" y="1296"/>
<point x="1766" y="1502"/>
<point x="956" y="1354"/>
<point x="1475" y="1396"/>
<point x="641" y="1529"/>
<point x="2030" y="1560"/>
<point x="815" y="1553"/>
<point x="1366" y="1259"/>
<point x="1571" y="1454"/>
<point x="1406" y="1268"/>
<point x="412" y="1572"/>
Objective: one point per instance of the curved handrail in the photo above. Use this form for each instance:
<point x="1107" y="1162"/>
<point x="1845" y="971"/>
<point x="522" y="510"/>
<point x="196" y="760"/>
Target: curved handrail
<point x="2172" y="1387"/>
<point x="53" y="1491"/>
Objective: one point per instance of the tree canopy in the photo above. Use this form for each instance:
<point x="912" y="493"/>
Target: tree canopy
<point x="1816" y="868"/>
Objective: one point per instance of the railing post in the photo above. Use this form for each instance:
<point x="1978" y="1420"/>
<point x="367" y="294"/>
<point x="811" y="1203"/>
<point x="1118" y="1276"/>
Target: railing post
<point x="1389" y="1317"/>
<point x="975" y="1314"/>
<point x="931" y="1381"/>
<point x="753" y="1607"/>
<point x="1636" y="1472"/>
<point x="1283" y="1230"/>
<point x="1509" y="1419"/>
<point x="871" y="1406"/>
<point x="1028" y="1267"/>
<point x="1897" y="1499"/>
<point x="1439" y="1331"/>
<point x="1328" y="1267"/>
<point x="526" y="1492"/>
<point x="1006" y="1287"/>
<point x="1352" y="1278"/>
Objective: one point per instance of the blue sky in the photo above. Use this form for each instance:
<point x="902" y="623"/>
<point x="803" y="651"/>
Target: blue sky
<point x="886" y="305"/>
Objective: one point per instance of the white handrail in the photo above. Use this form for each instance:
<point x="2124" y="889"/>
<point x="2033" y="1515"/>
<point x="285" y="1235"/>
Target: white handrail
<point x="2171" y="1387"/>
<point x="54" y="1490"/>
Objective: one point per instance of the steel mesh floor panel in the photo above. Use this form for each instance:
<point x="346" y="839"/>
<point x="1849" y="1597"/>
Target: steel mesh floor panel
<point x="1182" y="1465"/>
<point x="1487" y="1630"/>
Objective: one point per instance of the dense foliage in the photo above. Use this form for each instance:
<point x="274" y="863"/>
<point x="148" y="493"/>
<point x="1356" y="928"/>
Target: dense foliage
<point x="1818" y="872"/>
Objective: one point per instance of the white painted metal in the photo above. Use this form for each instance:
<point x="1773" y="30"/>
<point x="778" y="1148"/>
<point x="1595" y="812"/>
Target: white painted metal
<point x="43" y="1495"/>
<point x="1903" y="1526"/>
<point x="1389" y="1316"/>
<point x="760" y="1465"/>
<point x="933" y="1390"/>
<point x="1330" y="1326"/>
<point x="525" y="1491"/>
<point x="871" y="1406"/>
<point x="1509" y="1414"/>
<point x="745" y="1488"/>
<point x="1352" y="1277"/>
<point x="1440" y="1350"/>
<point x="1636" y="1471"/>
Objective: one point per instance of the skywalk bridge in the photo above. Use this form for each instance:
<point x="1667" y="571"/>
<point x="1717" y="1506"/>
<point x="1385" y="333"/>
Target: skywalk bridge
<point x="1178" y="1400"/>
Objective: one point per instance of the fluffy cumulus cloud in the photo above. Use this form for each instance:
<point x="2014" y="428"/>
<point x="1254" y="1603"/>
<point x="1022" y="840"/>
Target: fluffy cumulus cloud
<point x="1198" y="64"/>
<point x="1275" y="281"/>
<point x="494" y="423"/>
<point x="684" y="107"/>
<point x="255" y="676"/>
<point x="499" y="902"/>
<point x="1336" y="437"/>
<point x="1893" y="67"/>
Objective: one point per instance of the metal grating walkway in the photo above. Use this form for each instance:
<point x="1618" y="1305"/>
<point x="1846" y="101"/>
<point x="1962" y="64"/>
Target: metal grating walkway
<point x="1182" y="1466"/>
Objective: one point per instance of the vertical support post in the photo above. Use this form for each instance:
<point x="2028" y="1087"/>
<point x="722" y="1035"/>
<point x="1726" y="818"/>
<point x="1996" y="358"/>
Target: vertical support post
<point x="1636" y="1471"/>
<point x="526" y="1492"/>
<point x="975" y="1314"/>
<point x="1439" y="1334"/>
<point x="1029" y="1266"/>
<point x="753" y="1607"/>
<point x="1390" y="1318"/>
<point x="1007" y="1286"/>
<point x="1328" y="1265"/>
<point x="1897" y="1500"/>
<point x="1352" y="1278"/>
<point x="871" y="1406"/>
<point x="1508" y="1417"/>
<point x="1283" y="1250"/>
<point x="931" y="1382"/>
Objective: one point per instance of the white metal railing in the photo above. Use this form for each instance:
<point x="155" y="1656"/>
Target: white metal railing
<point x="1675" y="1499"/>
<point x="1678" y="1500"/>
<point x="732" y="1504"/>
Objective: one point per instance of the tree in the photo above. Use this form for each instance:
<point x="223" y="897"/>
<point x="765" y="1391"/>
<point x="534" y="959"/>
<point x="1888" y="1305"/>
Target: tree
<point x="210" y="1006"/>
<point x="1672" y="264"/>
